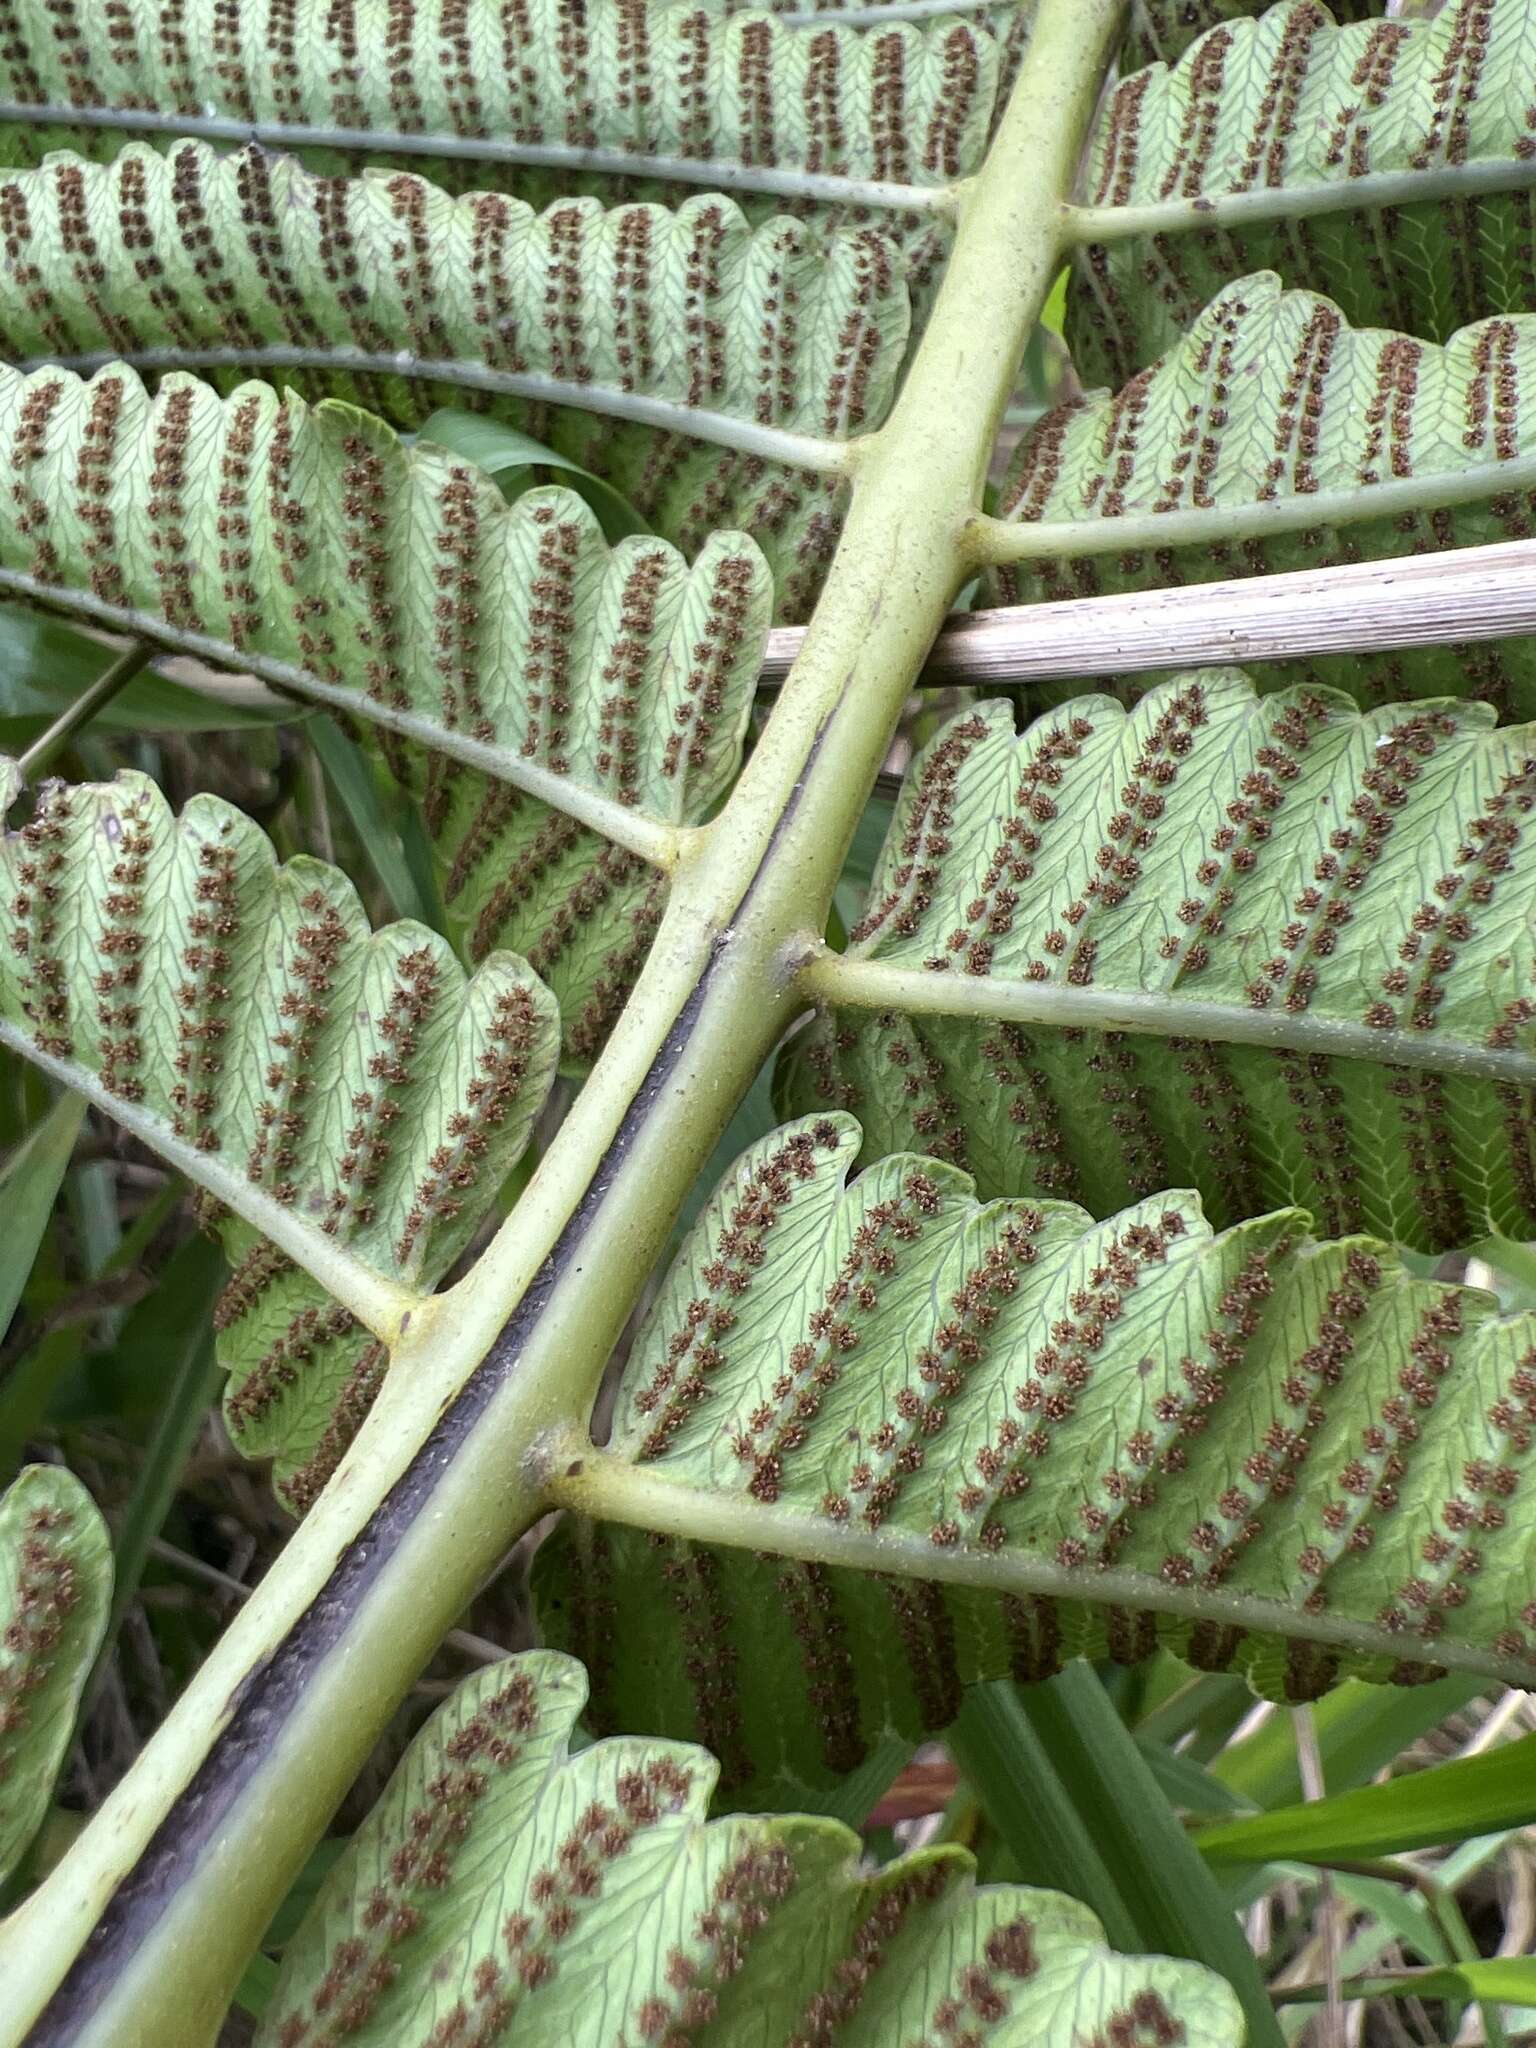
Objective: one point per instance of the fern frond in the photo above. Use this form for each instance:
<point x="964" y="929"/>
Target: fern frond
<point x="55" y="1589"/>
<point x="1387" y="163"/>
<point x="585" y="1902"/>
<point x="774" y="341"/>
<point x="512" y="660"/>
<point x="711" y="95"/>
<point x="1061" y="1437"/>
<point x="349" y="1099"/>
<point x="1269" y="947"/>
<point x="1274" y="437"/>
<point x="713" y="372"/>
<point x="1160" y="31"/>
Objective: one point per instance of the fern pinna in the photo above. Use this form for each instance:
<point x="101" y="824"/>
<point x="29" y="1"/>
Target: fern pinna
<point x="491" y="379"/>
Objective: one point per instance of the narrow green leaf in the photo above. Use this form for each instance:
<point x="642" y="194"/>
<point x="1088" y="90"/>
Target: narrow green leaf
<point x="1188" y="1784"/>
<point x="29" y="1186"/>
<point x="1051" y="1835"/>
<point x="1504" y="1980"/>
<point x="1360" y="1730"/>
<point x="1474" y="1795"/>
<point x="351" y="776"/>
<point x="46" y="665"/>
<point x="178" y="1319"/>
<point x="1171" y="1898"/>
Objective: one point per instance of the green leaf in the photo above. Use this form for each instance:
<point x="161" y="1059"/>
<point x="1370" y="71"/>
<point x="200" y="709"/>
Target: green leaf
<point x="1267" y="946"/>
<point x="1273" y="436"/>
<point x="177" y="1317"/>
<point x="1361" y="1729"/>
<point x="45" y="665"/>
<point x="29" y="1186"/>
<point x="1468" y="1796"/>
<point x="1063" y="1746"/>
<point x="460" y="289"/>
<point x="523" y="91"/>
<point x="350" y="1099"/>
<point x="55" y="1583"/>
<point x="515" y="459"/>
<point x="1049" y="1437"/>
<point x="583" y="1901"/>
<point x="1205" y="172"/>
<point x="1506" y="1980"/>
<point x="351" y="775"/>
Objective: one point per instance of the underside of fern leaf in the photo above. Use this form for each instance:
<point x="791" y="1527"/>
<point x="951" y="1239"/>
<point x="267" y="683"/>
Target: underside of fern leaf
<point x="592" y="329"/>
<point x="547" y="85"/>
<point x="1386" y="163"/>
<point x="1162" y="30"/>
<point x="513" y="661"/>
<point x="503" y="1886"/>
<point x="1273" y="437"/>
<point x="1035" y="1436"/>
<point x="55" y="1586"/>
<point x="348" y="1099"/>
<point x="1268" y="946"/>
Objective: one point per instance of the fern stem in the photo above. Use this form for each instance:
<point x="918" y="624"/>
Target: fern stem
<point x="382" y="1306"/>
<point x="745" y="437"/>
<point x="612" y="1489"/>
<point x="652" y="841"/>
<point x="845" y="981"/>
<point x="994" y="542"/>
<point x="714" y="174"/>
<point x="1095" y="226"/>
<point x="1481" y="593"/>
<point x="141" y="1932"/>
<point x="85" y="707"/>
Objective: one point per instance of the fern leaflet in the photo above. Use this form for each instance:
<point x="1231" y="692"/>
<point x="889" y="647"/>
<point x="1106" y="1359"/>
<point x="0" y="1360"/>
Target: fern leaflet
<point x="1268" y="946"/>
<point x="1065" y="1437"/>
<point x="55" y="1587"/>
<point x="1274" y="436"/>
<point x="350" y="1102"/>
<point x="1162" y="30"/>
<point x="1386" y="163"/>
<point x="512" y="659"/>
<point x="584" y="1902"/>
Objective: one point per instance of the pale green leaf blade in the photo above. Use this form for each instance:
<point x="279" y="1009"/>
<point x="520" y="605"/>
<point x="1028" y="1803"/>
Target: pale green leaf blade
<point x="728" y="97"/>
<point x="350" y="1100"/>
<point x="1245" y="155"/>
<point x="396" y="585"/>
<point x="1049" y="1437"/>
<point x="1274" y="436"/>
<point x="580" y="325"/>
<point x="534" y="687"/>
<point x="1269" y="946"/>
<point x="585" y="1902"/>
<point x="55" y="1587"/>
